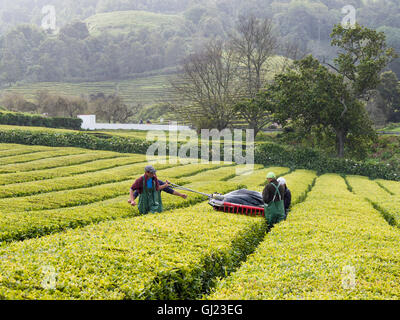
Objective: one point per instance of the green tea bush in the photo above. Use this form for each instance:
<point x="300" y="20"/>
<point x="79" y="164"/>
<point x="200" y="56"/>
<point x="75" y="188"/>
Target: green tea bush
<point x="273" y="154"/>
<point x="35" y="120"/>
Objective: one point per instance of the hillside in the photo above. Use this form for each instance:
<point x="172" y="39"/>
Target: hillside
<point x="127" y="37"/>
<point x="146" y="91"/>
<point x="123" y="22"/>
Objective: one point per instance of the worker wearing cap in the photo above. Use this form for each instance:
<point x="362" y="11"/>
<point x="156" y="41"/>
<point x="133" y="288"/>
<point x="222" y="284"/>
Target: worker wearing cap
<point x="273" y="199"/>
<point x="149" y="188"/>
<point x="287" y="195"/>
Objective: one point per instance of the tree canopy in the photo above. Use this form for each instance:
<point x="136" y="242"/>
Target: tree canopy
<point x="311" y="95"/>
<point x="78" y="53"/>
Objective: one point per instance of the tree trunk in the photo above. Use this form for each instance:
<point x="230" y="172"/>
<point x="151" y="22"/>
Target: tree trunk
<point x="255" y="127"/>
<point x="340" y="138"/>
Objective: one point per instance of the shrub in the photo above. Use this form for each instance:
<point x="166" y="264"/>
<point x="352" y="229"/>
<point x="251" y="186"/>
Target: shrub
<point x="331" y="236"/>
<point x="26" y="119"/>
<point x="273" y="154"/>
<point x="268" y="154"/>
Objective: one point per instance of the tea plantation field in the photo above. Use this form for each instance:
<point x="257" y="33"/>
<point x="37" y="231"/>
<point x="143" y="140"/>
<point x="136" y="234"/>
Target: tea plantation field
<point x="67" y="232"/>
<point x="147" y="90"/>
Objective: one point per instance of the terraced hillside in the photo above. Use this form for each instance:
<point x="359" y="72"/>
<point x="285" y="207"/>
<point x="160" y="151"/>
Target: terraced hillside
<point x="121" y="22"/>
<point x="147" y="90"/>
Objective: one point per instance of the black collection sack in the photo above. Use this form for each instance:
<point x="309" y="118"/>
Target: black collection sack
<point x="246" y="197"/>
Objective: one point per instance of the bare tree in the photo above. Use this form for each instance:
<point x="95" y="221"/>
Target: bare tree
<point x="17" y="102"/>
<point x="208" y="86"/>
<point x="289" y="51"/>
<point x="75" y="106"/>
<point x="255" y="43"/>
<point x="111" y="108"/>
<point x="60" y="105"/>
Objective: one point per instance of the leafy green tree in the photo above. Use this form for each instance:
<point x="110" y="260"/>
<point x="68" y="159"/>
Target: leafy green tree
<point x="389" y="88"/>
<point x="18" y="52"/>
<point x="362" y="57"/>
<point x="111" y="108"/>
<point x="75" y="30"/>
<point x="393" y="40"/>
<point x="311" y="94"/>
<point x="254" y="112"/>
<point x="195" y="13"/>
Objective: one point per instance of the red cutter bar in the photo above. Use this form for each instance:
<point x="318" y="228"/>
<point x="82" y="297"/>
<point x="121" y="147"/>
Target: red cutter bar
<point x="239" y="209"/>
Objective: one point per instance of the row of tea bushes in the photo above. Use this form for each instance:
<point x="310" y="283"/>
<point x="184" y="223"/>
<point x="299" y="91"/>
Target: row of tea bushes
<point x="24" y="225"/>
<point x="61" y="161"/>
<point x="334" y="245"/>
<point x="174" y="255"/>
<point x="67" y="171"/>
<point x="387" y="204"/>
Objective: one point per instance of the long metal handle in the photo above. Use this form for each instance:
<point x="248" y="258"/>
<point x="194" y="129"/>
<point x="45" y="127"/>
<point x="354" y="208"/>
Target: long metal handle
<point x="187" y="189"/>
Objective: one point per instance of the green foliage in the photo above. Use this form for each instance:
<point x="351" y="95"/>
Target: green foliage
<point x="82" y="140"/>
<point x="147" y="89"/>
<point x="124" y="22"/>
<point x="254" y="113"/>
<point x="389" y="88"/>
<point x="96" y="162"/>
<point x="75" y="30"/>
<point x="270" y="154"/>
<point x="55" y="211"/>
<point x="140" y="258"/>
<point x="153" y="112"/>
<point x="388" y="204"/>
<point x="68" y="159"/>
<point x="124" y="32"/>
<point x="334" y="245"/>
<point x="41" y="155"/>
<point x="364" y="55"/>
<point x="265" y="153"/>
<point x="75" y="222"/>
<point x="312" y="96"/>
<point x="195" y="13"/>
<point x="26" y="119"/>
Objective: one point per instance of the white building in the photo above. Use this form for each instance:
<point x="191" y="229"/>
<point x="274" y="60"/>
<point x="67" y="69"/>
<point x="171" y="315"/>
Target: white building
<point x="89" y="123"/>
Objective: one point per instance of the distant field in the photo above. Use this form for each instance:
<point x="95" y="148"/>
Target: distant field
<point x="392" y="129"/>
<point x="137" y="134"/>
<point x="4" y="127"/>
<point x="147" y="91"/>
<point x="118" y="22"/>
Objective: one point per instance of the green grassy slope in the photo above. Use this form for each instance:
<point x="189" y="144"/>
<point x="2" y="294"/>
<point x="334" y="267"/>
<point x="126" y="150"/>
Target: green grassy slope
<point x="149" y="90"/>
<point x="118" y="22"/>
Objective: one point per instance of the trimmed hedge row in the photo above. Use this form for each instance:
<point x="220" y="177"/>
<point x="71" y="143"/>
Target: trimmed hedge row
<point x="26" y="119"/>
<point x="137" y="258"/>
<point x="267" y="154"/>
<point x="270" y="154"/>
<point x="68" y="171"/>
<point x="387" y="204"/>
<point x="79" y="139"/>
<point x="24" y="225"/>
<point x="333" y="246"/>
<point x="83" y="140"/>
